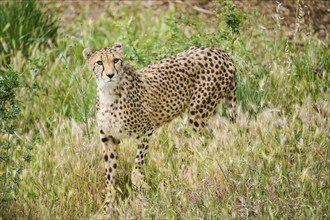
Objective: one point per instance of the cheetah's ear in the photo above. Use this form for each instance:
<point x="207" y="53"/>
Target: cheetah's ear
<point x="118" y="46"/>
<point x="88" y="53"/>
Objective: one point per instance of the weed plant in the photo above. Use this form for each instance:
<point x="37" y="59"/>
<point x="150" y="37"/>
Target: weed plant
<point x="24" y="27"/>
<point x="272" y="163"/>
<point x="13" y="156"/>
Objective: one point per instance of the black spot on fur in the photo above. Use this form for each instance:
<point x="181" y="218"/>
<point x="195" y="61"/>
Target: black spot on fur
<point x="105" y="139"/>
<point x="114" y="140"/>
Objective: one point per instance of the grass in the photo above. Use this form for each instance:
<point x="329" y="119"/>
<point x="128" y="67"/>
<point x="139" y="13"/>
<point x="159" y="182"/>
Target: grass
<point x="272" y="163"/>
<point x="24" y="28"/>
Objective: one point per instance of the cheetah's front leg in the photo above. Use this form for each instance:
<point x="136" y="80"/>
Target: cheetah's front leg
<point x="137" y="173"/>
<point x="110" y="158"/>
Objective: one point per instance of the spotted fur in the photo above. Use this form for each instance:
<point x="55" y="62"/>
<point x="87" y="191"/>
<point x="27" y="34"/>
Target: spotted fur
<point x="134" y="102"/>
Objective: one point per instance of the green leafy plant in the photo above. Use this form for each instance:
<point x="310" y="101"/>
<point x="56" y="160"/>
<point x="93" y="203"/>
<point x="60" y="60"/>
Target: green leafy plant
<point x="23" y="26"/>
<point x="9" y="111"/>
<point x="13" y="154"/>
<point x="232" y="17"/>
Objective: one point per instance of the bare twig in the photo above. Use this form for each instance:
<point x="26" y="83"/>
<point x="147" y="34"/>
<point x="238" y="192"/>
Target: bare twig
<point x="202" y="10"/>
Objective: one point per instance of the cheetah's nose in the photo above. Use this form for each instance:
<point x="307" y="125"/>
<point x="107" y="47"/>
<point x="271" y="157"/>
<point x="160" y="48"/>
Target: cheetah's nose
<point x="110" y="75"/>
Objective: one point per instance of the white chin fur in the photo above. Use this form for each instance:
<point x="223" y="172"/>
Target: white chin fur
<point x="106" y="83"/>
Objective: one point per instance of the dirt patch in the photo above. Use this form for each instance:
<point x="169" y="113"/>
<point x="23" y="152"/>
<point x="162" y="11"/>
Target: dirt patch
<point x="311" y="17"/>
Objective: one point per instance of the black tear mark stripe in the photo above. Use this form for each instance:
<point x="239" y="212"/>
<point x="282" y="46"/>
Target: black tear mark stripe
<point x="102" y="67"/>
<point x="114" y="66"/>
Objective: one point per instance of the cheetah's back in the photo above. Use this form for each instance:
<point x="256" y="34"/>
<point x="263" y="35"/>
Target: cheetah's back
<point x="195" y="79"/>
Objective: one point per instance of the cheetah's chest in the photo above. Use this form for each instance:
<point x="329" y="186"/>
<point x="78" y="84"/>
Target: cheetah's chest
<point x="121" y="113"/>
<point x="107" y="115"/>
<point x="110" y="124"/>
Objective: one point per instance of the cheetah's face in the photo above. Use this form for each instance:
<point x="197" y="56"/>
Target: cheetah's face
<point x="106" y="64"/>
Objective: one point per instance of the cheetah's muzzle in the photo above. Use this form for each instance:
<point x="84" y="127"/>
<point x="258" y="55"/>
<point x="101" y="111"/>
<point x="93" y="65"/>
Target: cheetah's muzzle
<point x="110" y="75"/>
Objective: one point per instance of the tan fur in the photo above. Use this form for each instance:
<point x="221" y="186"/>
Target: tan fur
<point x="135" y="102"/>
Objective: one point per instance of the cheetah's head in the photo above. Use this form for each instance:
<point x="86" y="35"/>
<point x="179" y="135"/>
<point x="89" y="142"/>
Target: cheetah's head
<point x="105" y="63"/>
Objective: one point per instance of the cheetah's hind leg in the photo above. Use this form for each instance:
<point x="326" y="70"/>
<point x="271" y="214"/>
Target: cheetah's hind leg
<point x="231" y="103"/>
<point x="198" y="119"/>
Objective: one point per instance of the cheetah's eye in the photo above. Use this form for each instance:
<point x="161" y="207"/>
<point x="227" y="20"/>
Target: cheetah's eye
<point x="99" y="62"/>
<point x="115" y="60"/>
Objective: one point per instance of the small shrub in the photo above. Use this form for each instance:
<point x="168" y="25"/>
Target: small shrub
<point x="9" y="112"/>
<point x="232" y="17"/>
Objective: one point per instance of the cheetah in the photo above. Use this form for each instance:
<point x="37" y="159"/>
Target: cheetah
<point x="135" y="102"/>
